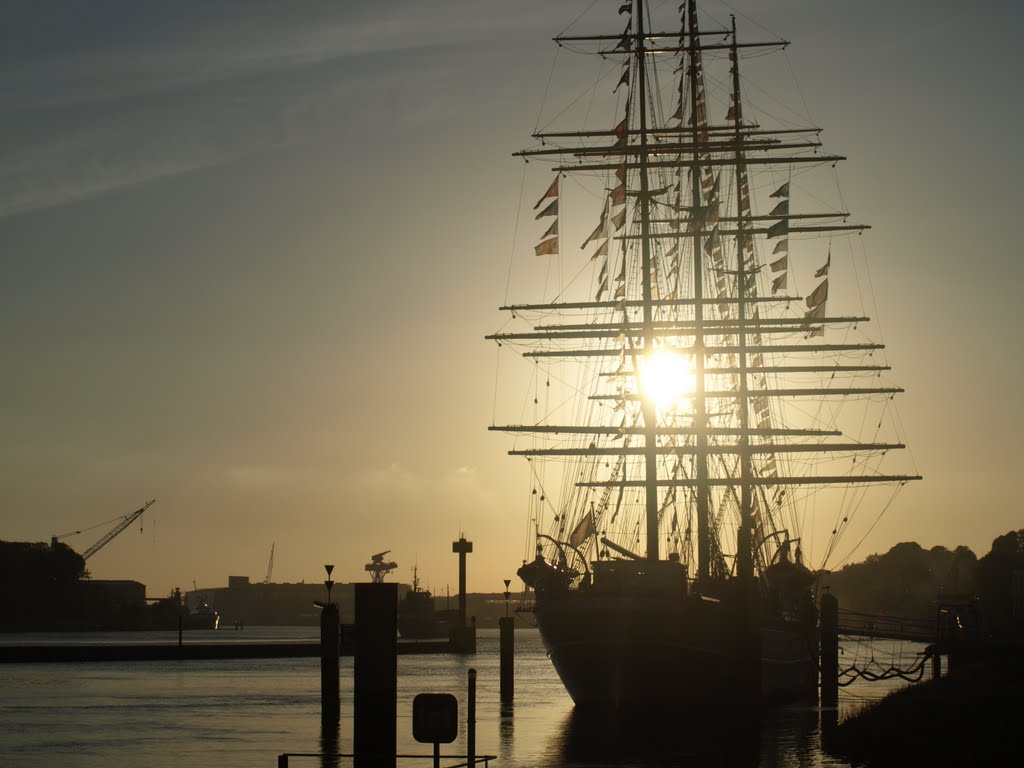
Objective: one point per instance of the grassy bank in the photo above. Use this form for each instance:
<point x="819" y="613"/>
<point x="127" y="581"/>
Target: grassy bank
<point x="973" y="717"/>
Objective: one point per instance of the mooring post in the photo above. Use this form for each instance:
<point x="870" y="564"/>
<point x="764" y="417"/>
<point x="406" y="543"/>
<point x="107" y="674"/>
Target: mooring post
<point x="471" y="720"/>
<point x="936" y="663"/>
<point x="376" y="675"/>
<point x="506" y="627"/>
<point x="829" y="651"/>
<point x="330" y="651"/>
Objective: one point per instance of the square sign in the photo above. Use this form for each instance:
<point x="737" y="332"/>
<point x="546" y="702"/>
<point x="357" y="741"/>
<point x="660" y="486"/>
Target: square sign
<point x="435" y="718"/>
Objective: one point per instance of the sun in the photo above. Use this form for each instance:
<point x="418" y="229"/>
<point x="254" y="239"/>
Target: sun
<point x="668" y="378"/>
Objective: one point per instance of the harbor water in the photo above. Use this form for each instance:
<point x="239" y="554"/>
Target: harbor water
<point x="235" y="713"/>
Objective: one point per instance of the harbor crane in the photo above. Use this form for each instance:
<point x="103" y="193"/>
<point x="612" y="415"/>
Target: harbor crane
<point x="378" y="569"/>
<point x="270" y="564"/>
<point x="110" y="535"/>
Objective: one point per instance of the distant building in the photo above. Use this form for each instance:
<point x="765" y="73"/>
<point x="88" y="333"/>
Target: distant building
<point x="245" y="602"/>
<point x="114" y="594"/>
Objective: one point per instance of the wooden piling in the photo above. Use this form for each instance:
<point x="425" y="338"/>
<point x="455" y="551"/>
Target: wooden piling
<point x="376" y="675"/>
<point x="330" y="652"/>
<point x="471" y="720"/>
<point x="507" y="646"/>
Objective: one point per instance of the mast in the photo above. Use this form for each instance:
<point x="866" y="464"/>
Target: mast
<point x="700" y="416"/>
<point x="745" y="535"/>
<point x="648" y="409"/>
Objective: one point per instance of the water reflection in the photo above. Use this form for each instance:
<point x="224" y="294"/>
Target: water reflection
<point x="654" y="739"/>
<point x="506" y="727"/>
<point x="786" y="737"/>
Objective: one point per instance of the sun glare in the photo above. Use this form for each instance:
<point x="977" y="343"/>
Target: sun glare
<point x="668" y="378"/>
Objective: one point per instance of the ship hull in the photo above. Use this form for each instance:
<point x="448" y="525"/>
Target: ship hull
<point x="630" y="652"/>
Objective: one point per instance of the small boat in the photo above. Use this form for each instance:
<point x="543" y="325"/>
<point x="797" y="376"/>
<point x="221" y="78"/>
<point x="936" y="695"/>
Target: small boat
<point x="202" y="617"/>
<point x="417" y="617"/>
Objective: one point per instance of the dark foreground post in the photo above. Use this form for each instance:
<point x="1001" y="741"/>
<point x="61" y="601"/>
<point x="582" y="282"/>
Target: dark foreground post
<point x="829" y="661"/>
<point x="376" y="675"/>
<point x="471" y="720"/>
<point x="330" y="651"/>
<point x="936" y="663"/>
<point x="507" y="647"/>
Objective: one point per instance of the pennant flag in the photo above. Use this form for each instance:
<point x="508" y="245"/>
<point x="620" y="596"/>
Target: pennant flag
<point x="602" y="250"/>
<point x="618" y="195"/>
<point x="620" y="173"/>
<point x="603" y="274"/>
<point x="815" y="313"/>
<point x="552" y="192"/>
<point x="781" y="264"/>
<point x="818" y="295"/>
<point x="678" y="114"/>
<point x="552" y="230"/>
<point x="583" y="530"/>
<point x="782" y="209"/>
<point x="731" y="114"/>
<point x="626" y="8"/>
<point x="551" y="210"/>
<point x="779" y="228"/>
<point x="619" y="219"/>
<point x="782" y="191"/>
<point x="624" y="80"/>
<point x="620" y="291"/>
<point x="712" y="242"/>
<point x="782" y="245"/>
<point x="601" y="289"/>
<point x="779" y="282"/>
<point x="823" y="272"/>
<point x="620" y="130"/>
<point x="596" y="234"/>
<point x="547" y="247"/>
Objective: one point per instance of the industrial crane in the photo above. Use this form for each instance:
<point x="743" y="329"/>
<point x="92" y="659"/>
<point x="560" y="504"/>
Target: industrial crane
<point x="109" y="536"/>
<point x="270" y="564"/>
<point x="378" y="569"/>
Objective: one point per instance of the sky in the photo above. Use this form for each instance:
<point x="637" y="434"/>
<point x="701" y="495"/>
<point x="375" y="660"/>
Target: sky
<point x="249" y="252"/>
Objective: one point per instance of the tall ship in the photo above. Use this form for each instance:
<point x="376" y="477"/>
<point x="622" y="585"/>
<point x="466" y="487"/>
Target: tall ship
<point x="703" y="421"/>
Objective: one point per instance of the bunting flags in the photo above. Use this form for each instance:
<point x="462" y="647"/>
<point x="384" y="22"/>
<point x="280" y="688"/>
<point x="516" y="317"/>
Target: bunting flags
<point x="597" y="234"/>
<point x="819" y="295"/>
<point x="781" y="209"/>
<point x="626" y="8"/>
<point x="546" y="247"/>
<point x="620" y="173"/>
<point x="779" y="228"/>
<point x="782" y="191"/>
<point x="618" y="195"/>
<point x="552" y="192"/>
<point x="781" y="247"/>
<point x="549" y="240"/>
<point x="551" y="210"/>
<point x="779" y="283"/>
<point x="823" y="272"/>
<point x="781" y="264"/>
<point x="624" y="80"/>
<point x="619" y="219"/>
